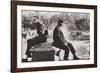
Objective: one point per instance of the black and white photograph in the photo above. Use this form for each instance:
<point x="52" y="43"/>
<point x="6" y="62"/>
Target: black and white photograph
<point x="52" y="36"/>
<point x="55" y="36"/>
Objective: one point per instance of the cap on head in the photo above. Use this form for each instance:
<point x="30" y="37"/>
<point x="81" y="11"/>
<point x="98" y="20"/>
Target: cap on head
<point x="60" y="21"/>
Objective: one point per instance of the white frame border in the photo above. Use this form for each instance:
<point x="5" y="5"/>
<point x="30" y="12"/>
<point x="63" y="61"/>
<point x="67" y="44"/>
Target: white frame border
<point x="53" y="63"/>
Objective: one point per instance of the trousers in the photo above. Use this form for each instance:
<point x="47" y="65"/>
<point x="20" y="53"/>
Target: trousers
<point x="66" y="48"/>
<point x="34" y="41"/>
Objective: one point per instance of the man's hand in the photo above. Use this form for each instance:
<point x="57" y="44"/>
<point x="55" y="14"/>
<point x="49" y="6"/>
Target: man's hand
<point x="66" y="43"/>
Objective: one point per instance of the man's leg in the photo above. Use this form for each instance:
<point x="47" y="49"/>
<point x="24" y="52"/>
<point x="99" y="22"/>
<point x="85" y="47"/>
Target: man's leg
<point x="29" y="44"/>
<point x="33" y="42"/>
<point x="66" y="53"/>
<point x="72" y="50"/>
<point x="65" y="48"/>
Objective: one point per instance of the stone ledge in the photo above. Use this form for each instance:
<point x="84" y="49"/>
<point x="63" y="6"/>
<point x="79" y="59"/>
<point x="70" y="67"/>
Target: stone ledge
<point x="44" y="52"/>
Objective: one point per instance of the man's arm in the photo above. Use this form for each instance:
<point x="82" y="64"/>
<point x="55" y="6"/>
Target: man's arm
<point x="60" y="37"/>
<point x="40" y="28"/>
<point x="32" y="34"/>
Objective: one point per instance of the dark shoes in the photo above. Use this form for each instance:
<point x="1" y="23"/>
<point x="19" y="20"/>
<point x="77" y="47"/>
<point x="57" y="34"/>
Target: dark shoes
<point x="27" y="60"/>
<point x="76" y="58"/>
<point x="66" y="59"/>
<point x="24" y="60"/>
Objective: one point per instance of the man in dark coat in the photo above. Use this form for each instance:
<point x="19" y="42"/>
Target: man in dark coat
<point x="60" y="42"/>
<point x="41" y="35"/>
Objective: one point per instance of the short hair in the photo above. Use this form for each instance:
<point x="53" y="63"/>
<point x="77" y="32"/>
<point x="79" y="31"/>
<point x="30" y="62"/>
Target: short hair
<point x="60" y="21"/>
<point x="37" y="17"/>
